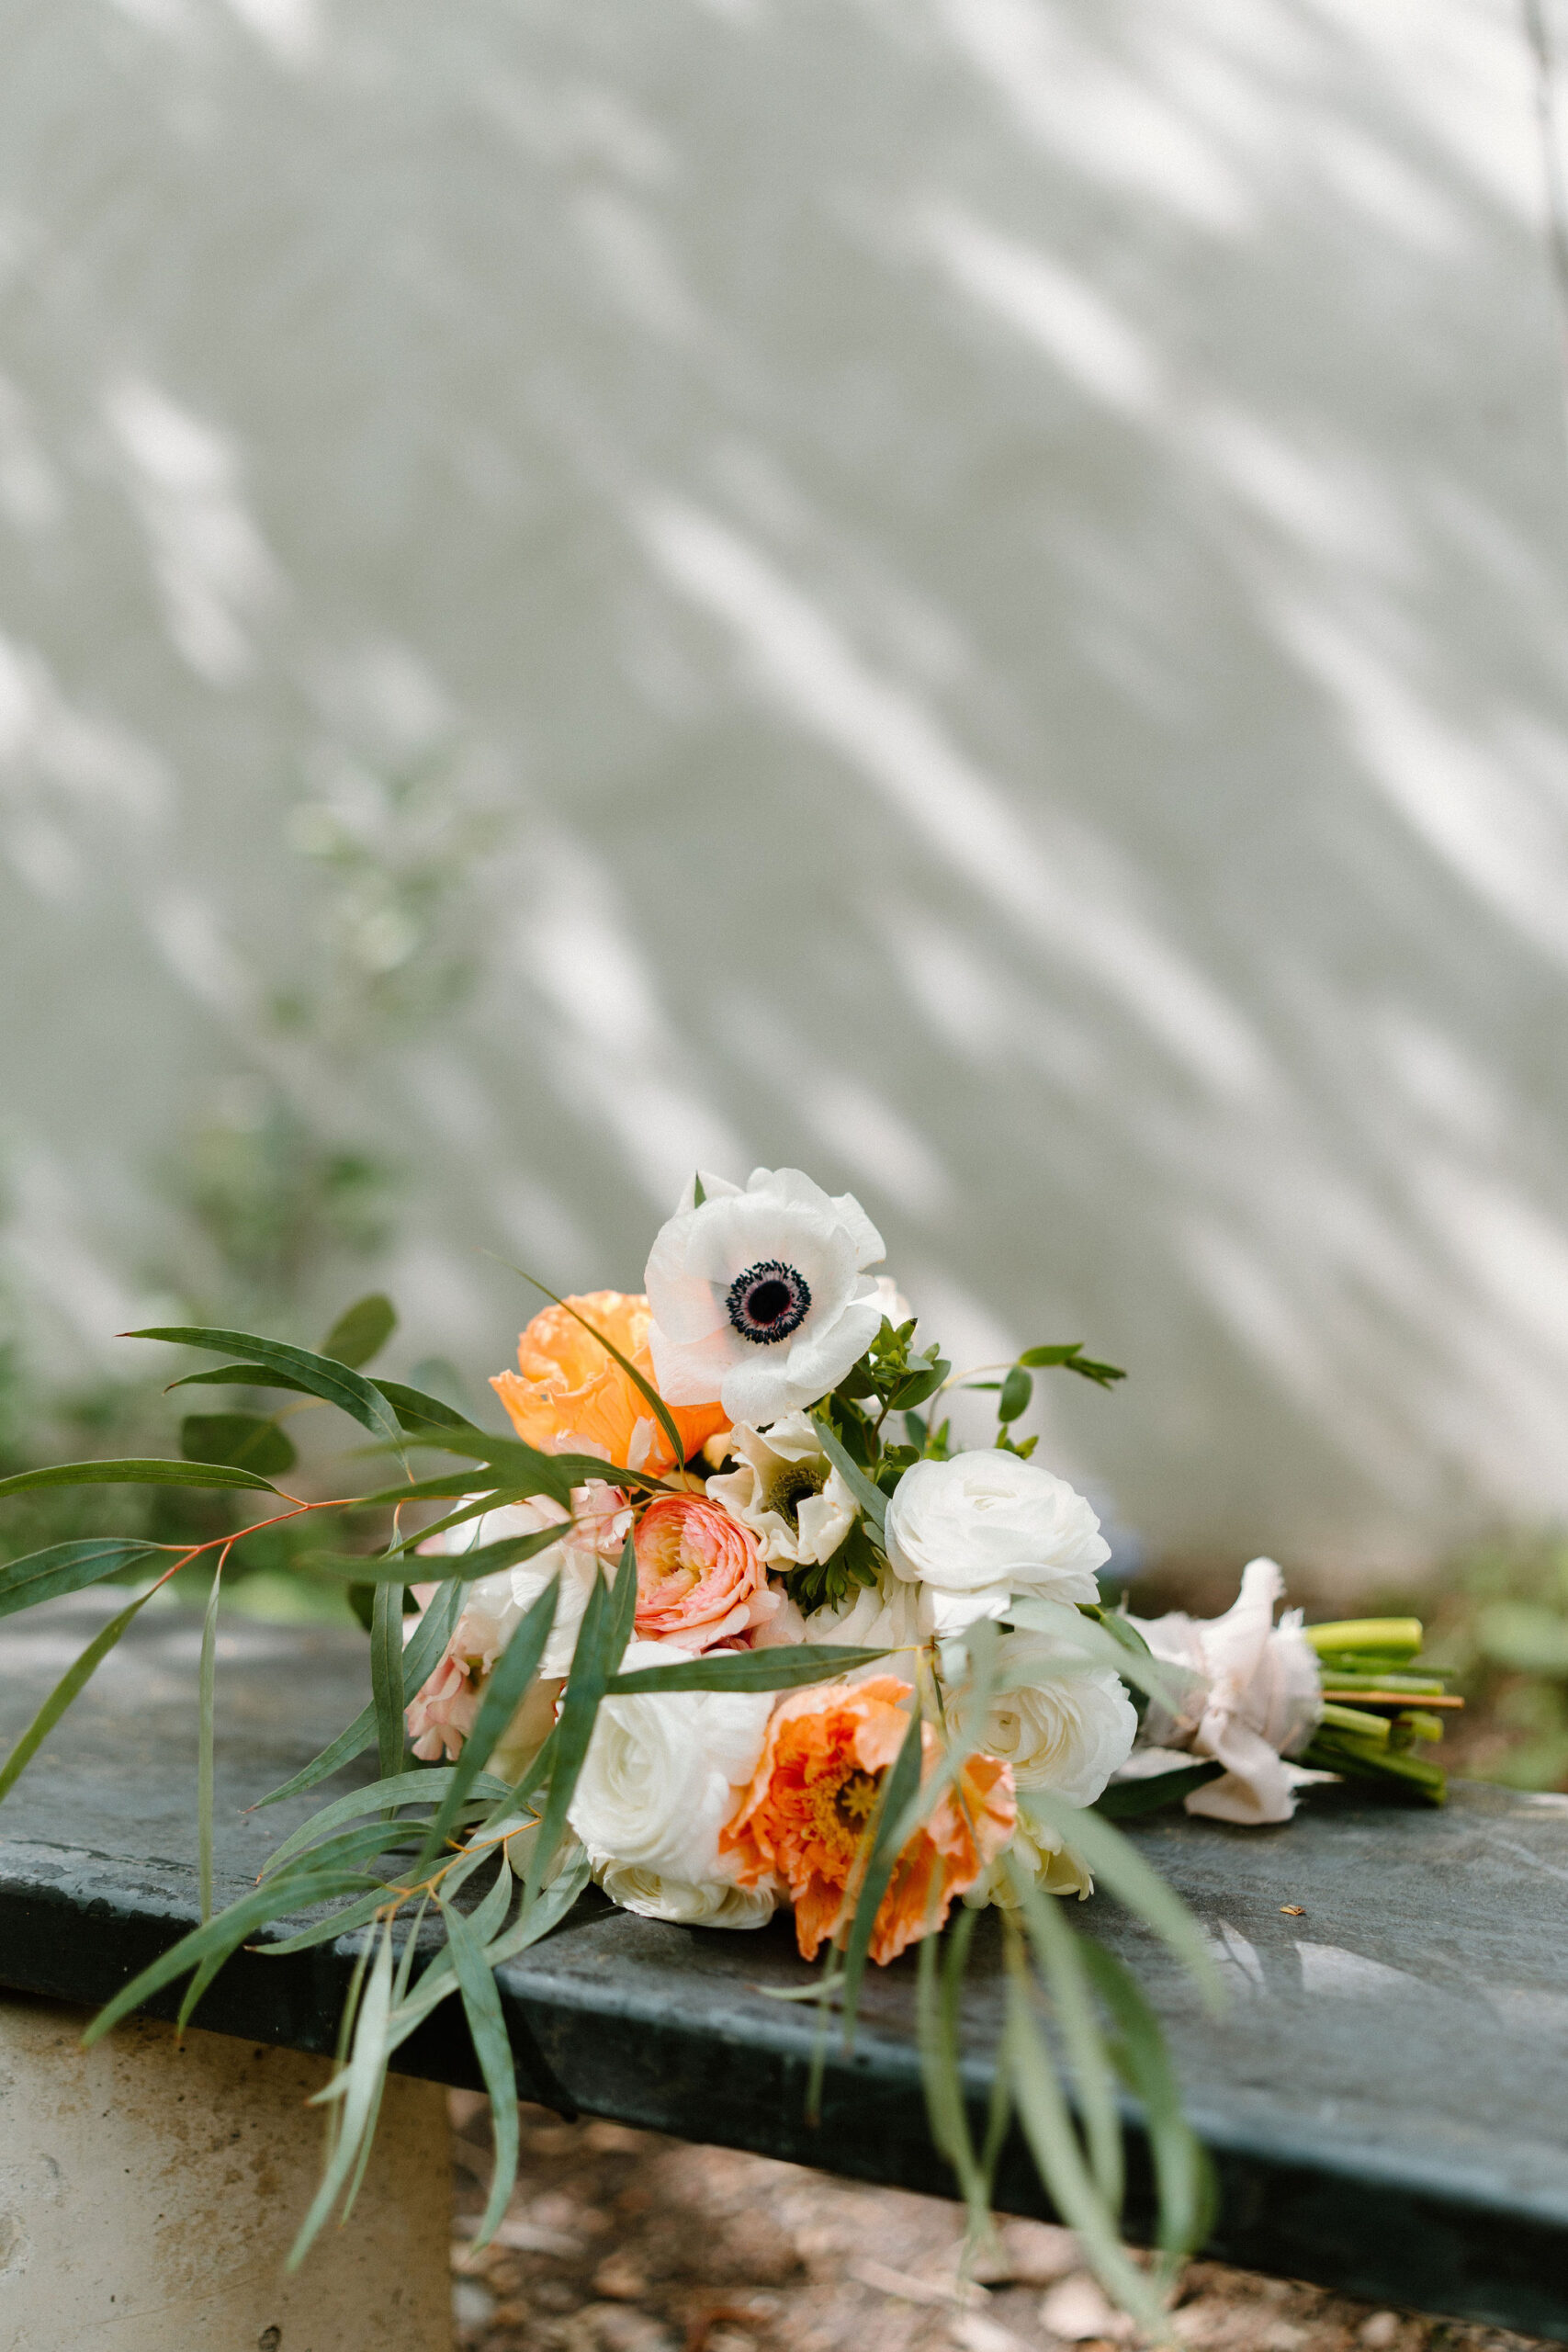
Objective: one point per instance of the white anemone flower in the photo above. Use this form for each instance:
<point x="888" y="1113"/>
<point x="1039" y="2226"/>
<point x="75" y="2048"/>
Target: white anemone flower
<point x="786" y="1491"/>
<point x="760" y="1300"/>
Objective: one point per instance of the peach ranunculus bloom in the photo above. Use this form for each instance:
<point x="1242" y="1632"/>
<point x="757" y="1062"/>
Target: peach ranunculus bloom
<point x="570" y="1395"/>
<point x="701" y="1577"/>
<point x="802" y="1823"/>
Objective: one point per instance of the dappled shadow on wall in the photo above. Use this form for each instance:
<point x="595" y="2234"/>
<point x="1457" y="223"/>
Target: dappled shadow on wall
<point x="966" y="595"/>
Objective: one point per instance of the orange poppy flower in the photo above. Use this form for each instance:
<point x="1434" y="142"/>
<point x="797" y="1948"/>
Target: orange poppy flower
<point x="570" y="1395"/>
<point x="802" y="1820"/>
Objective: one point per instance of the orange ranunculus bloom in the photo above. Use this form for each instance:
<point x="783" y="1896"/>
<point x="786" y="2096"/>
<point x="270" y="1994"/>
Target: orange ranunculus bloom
<point x="802" y="1820"/>
<point x="700" y="1579"/>
<point x="570" y="1395"/>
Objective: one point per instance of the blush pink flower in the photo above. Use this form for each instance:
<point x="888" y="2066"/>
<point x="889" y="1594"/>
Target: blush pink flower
<point x="442" y="1711"/>
<point x="700" y="1579"/>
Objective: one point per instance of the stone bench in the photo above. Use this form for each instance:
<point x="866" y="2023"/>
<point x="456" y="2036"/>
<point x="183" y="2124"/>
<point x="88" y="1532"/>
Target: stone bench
<point x="1386" y="2096"/>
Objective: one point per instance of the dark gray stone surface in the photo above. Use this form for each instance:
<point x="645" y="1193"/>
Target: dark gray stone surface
<point x="1386" y="2094"/>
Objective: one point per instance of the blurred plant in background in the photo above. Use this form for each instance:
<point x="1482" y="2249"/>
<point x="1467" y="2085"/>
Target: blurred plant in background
<point x="1501" y="1624"/>
<point x="272" y="1220"/>
<point x="395" y="858"/>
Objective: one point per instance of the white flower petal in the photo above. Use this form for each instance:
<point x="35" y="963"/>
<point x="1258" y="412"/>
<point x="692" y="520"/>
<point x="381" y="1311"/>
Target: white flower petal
<point x="700" y="1302"/>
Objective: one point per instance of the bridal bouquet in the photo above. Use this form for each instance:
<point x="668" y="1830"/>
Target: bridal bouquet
<point x="729" y="1624"/>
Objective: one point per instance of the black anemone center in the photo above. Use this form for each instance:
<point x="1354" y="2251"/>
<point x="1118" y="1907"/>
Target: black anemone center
<point x="768" y="1302"/>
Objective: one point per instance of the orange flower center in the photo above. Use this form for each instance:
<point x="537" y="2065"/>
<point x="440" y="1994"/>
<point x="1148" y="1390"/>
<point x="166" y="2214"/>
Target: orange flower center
<point x="839" y="1805"/>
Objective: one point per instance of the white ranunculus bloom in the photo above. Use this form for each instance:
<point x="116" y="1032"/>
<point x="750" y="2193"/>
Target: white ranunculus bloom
<point x="760" y="1300"/>
<point x="983" y="1528"/>
<point x="786" y="1491"/>
<point x="1045" y="1855"/>
<point x="1253" y="1698"/>
<point x="886" y="1615"/>
<point x="713" y="1905"/>
<point x="660" y="1776"/>
<point x="1059" y="1727"/>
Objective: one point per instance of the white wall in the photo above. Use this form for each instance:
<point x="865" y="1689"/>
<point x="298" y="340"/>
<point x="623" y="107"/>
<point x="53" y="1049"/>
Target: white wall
<point x="1004" y="562"/>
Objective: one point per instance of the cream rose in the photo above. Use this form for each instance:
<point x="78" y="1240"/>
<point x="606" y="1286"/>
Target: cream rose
<point x="786" y="1491"/>
<point x="985" y="1527"/>
<point x="658" y="1783"/>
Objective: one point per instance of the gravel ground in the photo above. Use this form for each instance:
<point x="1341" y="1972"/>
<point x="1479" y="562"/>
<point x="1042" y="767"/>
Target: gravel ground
<point x="619" y="2241"/>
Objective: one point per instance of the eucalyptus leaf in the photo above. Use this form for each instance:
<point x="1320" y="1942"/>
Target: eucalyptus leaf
<point x="362" y="1330"/>
<point x="336" y="1384"/>
<point x="431" y="1567"/>
<point x="787" y="1668"/>
<point x="387" y="1665"/>
<point x="367" y="2073"/>
<point x="513" y="1670"/>
<point x="425" y="1644"/>
<point x="135" y="1474"/>
<point x="68" y="1567"/>
<point x="427" y="1786"/>
<point x="75" y="1680"/>
<point x="248" y="1441"/>
<point x="599" y="1648"/>
<point x="902" y="1781"/>
<point x="487" y="2029"/>
<point x="294" y="1891"/>
<point x="870" y="1497"/>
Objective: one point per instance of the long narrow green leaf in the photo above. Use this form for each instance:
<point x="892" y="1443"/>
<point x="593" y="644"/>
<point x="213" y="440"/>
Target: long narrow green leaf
<point x="941" y="1958"/>
<point x="68" y="1567"/>
<point x="386" y="1676"/>
<point x="900" y="1784"/>
<point x="206" y="1741"/>
<point x="135" y="1474"/>
<point x="548" y="1911"/>
<point x="1084" y="1645"/>
<point x="455" y="1485"/>
<point x="1059" y="1954"/>
<point x="362" y="1330"/>
<point x="433" y="1567"/>
<point x="328" y="1931"/>
<point x="366" y="2072"/>
<point x="481" y="2005"/>
<point x="1184" y="2177"/>
<point x="428" y="1785"/>
<point x="428" y="1640"/>
<point x="513" y="1670"/>
<point x="415" y="1410"/>
<point x="1047" y="2127"/>
<point x="1110" y="1857"/>
<point x="335" y="1383"/>
<point x="645" y="1388"/>
<point x="784" y="1668"/>
<point x="231" y="1926"/>
<point x="74" y="1679"/>
<point x="600" y="1645"/>
<point x="869" y="1496"/>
